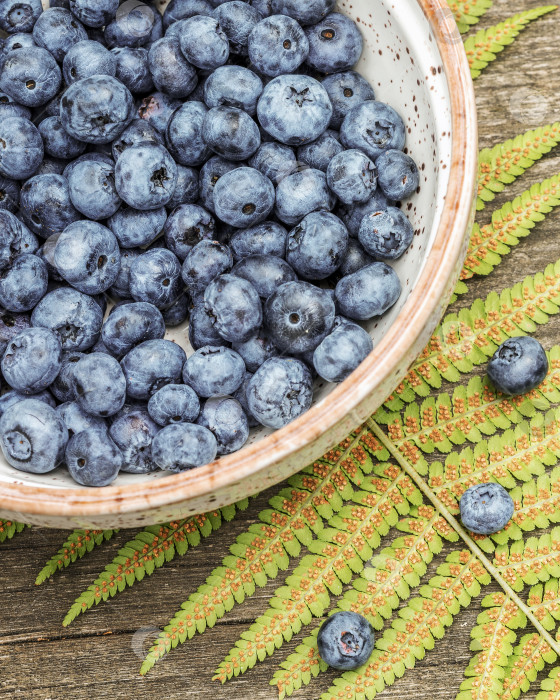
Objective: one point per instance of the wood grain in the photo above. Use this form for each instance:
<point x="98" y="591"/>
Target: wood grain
<point x="97" y="656"/>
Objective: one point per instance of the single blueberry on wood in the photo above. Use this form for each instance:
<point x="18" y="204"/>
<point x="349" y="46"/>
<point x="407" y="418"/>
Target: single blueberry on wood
<point x="518" y="365"/>
<point x="345" y="640"/>
<point x="486" y="508"/>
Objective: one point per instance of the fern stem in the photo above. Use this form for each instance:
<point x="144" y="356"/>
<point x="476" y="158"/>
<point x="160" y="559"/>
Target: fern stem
<point x="463" y="534"/>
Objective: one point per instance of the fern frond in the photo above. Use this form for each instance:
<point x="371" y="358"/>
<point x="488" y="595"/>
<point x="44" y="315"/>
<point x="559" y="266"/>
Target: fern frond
<point x="550" y="687"/>
<point x="544" y="600"/>
<point x="376" y="593"/>
<point x="527" y="563"/>
<point x="341" y="551"/>
<point x="492" y="638"/>
<point x="149" y="550"/>
<point x="419" y="624"/>
<point x="537" y="504"/>
<point x="441" y="422"/>
<point x="528" y="658"/>
<point x="315" y="494"/>
<point x="504" y="163"/>
<point x="468" y="12"/>
<point x="485" y="45"/>
<point x="470" y="337"/>
<point x="77" y="545"/>
<point x="9" y="528"/>
<point x="488" y="244"/>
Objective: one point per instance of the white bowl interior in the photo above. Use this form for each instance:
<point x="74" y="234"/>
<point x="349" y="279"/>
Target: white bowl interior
<point x="402" y="62"/>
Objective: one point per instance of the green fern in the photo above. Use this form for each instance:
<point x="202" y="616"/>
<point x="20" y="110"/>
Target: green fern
<point x="9" y="529"/>
<point x="485" y="45"/>
<point x="468" y="12"/>
<point x="550" y="687"/>
<point x="528" y="658"/>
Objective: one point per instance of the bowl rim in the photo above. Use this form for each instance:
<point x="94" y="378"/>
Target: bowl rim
<point x="381" y="363"/>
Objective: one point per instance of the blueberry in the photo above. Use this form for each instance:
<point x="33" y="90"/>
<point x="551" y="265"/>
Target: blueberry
<point x="146" y="176"/>
<point x="132" y="26"/>
<point x="345" y="640"/>
<point x="277" y="45"/>
<point x="308" y="12"/>
<point x="354" y="259"/>
<point x="99" y="384"/>
<point x="88" y="58"/>
<point x="301" y="193"/>
<point x="486" y="508"/>
<point x="33" y="436"/>
<point x="137" y="132"/>
<point x="203" y="42"/>
<point x="204" y="263"/>
<point x="316" y="246"/>
<point x="171" y="72"/>
<point x="76" y="419"/>
<point x="183" y="446"/>
<point x="230" y="133"/>
<point x="31" y="76"/>
<point x="87" y="256"/>
<point x="18" y="40"/>
<point x="174" y="403"/>
<point x="155" y="277"/>
<point x="184" y="134"/>
<point x="57" y="30"/>
<point x="15" y="239"/>
<point x="10" y="108"/>
<point x="210" y="174"/>
<point x="57" y="142"/>
<point x="398" y="174"/>
<point x="518" y="365"/>
<point x="93" y="191"/>
<point x="214" y="371"/>
<point x="131" y="324"/>
<point x="263" y="6"/>
<point x="23" y="284"/>
<point x="369" y="292"/>
<point x="32" y="360"/>
<point x="96" y="109"/>
<point x="256" y="350"/>
<point x="19" y="15"/>
<point x="201" y="329"/>
<point x="373" y="127"/>
<point x="352" y="176"/>
<point x="346" y="90"/>
<point x="133" y="434"/>
<point x="338" y="355"/>
<point x="121" y="286"/>
<point x="157" y="109"/>
<point x="241" y="396"/>
<point x="275" y="160"/>
<point x="186" y="226"/>
<point x="178" y="10"/>
<point x="353" y="214"/>
<point x="93" y="459"/>
<point x="133" y="227"/>
<point x="150" y="366"/>
<point x="265" y="272"/>
<point x="319" y="153"/>
<point x="237" y="20"/>
<point x="280" y="391"/>
<point x="10" y="398"/>
<point x="386" y="234"/>
<point x="94" y="13"/>
<point x="243" y="197"/>
<point x="178" y="312"/>
<point x="235" y="307"/>
<point x="132" y="69"/>
<point x="99" y="157"/>
<point x="226" y="419"/>
<point x="21" y="148"/>
<point x="335" y="43"/>
<point x="298" y="316"/>
<point x="46" y="205"/>
<point x="268" y="238"/>
<point x="187" y="189"/>
<point x="62" y="387"/>
<point x="10" y="326"/>
<point x="294" y="109"/>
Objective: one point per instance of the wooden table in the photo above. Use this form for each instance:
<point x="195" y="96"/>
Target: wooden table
<point x="94" y="658"/>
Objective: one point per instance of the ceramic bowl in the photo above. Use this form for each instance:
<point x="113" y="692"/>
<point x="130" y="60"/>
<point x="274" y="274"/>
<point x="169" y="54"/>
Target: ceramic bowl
<point x="414" y="58"/>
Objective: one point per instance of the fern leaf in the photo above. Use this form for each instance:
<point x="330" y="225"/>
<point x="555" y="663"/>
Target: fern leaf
<point x="77" y="545"/>
<point x="377" y="591"/>
<point x="468" y="12"/>
<point x="441" y="422"/>
<point x="537" y="504"/>
<point x="419" y="624"/>
<point x="528" y="562"/>
<point x="550" y="687"/>
<point x="314" y="495"/>
<point x="470" y="337"/>
<point x="504" y="163"/>
<point x="9" y="528"/>
<point x="528" y="658"/>
<point x="149" y="550"/>
<point x="492" y="638"/>
<point x="488" y="244"/>
<point x="341" y="550"/>
<point x="485" y="45"/>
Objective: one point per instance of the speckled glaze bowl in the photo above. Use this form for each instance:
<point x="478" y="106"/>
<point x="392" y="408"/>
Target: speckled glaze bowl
<point x="415" y="60"/>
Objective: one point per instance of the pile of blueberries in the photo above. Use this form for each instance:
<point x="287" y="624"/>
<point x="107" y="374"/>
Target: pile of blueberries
<point x="220" y="163"/>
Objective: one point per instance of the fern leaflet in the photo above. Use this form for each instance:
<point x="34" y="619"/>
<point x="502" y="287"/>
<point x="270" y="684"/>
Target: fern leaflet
<point x="9" y="528"/>
<point x="468" y="12"/>
<point x="528" y="658"/>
